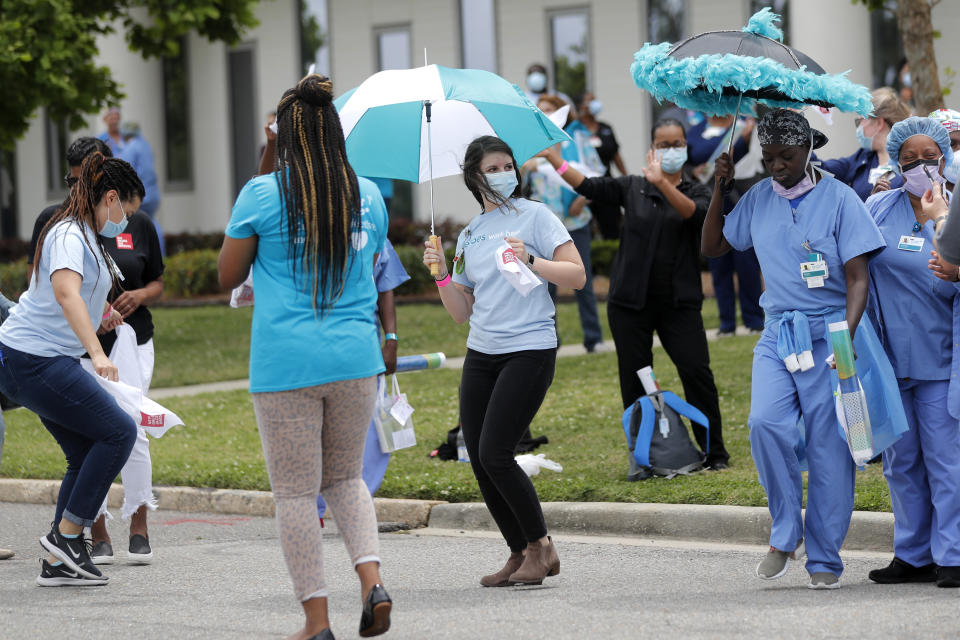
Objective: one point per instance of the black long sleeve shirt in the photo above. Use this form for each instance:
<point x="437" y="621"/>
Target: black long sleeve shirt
<point x="659" y="253"/>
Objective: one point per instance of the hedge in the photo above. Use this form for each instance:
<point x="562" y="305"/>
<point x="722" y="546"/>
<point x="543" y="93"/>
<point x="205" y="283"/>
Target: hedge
<point x="191" y="273"/>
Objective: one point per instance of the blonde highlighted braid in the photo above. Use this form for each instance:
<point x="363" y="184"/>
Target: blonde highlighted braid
<point x="318" y="188"/>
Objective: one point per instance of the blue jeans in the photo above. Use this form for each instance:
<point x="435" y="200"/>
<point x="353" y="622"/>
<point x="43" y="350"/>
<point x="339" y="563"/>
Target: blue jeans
<point x="95" y="434"/>
<point x="586" y="301"/>
<point x="745" y="264"/>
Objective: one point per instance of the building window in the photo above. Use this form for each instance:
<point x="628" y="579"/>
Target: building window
<point x="570" y="50"/>
<point x="886" y="46"/>
<point x="8" y="194"/>
<point x="780" y="7"/>
<point x="313" y="37"/>
<point x="393" y="51"/>
<point x="666" y="20"/>
<point x="176" y="116"/>
<point x="478" y="40"/>
<point x="55" y="139"/>
<point x="393" y="47"/>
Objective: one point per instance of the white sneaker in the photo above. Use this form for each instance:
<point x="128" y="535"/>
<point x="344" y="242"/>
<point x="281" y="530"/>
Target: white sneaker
<point x="823" y="580"/>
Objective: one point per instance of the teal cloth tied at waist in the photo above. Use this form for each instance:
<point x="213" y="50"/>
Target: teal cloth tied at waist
<point x="888" y="421"/>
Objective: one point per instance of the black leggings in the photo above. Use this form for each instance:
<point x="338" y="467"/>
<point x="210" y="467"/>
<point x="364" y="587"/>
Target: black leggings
<point x="499" y="397"/>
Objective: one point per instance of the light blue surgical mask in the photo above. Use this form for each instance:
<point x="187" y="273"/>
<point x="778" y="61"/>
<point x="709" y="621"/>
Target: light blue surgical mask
<point x="503" y="183"/>
<point x="865" y="141"/>
<point x="112" y="229"/>
<point x="537" y="82"/>
<point x="595" y="107"/>
<point x="672" y="160"/>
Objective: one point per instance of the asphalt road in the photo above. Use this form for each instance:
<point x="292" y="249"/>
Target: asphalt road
<point x="217" y="576"/>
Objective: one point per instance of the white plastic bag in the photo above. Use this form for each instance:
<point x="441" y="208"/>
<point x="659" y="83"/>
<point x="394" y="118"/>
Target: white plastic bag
<point x="395" y="424"/>
<point x="242" y="296"/>
<point x="516" y="273"/>
<point x="531" y="464"/>
<point x="154" y="419"/>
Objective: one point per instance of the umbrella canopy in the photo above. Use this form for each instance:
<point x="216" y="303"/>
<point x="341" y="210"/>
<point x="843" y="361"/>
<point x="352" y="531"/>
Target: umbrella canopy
<point x="712" y="72"/>
<point x="385" y="121"/>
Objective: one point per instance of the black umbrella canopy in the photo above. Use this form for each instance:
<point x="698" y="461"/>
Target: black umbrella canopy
<point x="751" y="45"/>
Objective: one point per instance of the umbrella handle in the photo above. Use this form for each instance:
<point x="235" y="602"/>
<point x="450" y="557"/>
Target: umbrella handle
<point x="435" y="268"/>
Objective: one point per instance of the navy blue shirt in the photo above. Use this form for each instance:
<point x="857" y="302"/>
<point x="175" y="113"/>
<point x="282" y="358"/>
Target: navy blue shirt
<point x="854" y="171"/>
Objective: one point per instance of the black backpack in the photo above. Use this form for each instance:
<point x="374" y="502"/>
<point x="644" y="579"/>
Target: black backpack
<point x="658" y="439"/>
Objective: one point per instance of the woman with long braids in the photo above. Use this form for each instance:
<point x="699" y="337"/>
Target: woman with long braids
<point x="511" y="348"/>
<point x="311" y="232"/>
<point x="40" y="346"/>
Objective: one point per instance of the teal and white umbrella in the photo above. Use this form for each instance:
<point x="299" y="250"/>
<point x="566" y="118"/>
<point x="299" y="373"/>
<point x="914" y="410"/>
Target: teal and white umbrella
<point x="415" y="124"/>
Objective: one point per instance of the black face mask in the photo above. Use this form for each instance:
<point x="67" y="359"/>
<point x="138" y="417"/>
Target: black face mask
<point x="916" y="163"/>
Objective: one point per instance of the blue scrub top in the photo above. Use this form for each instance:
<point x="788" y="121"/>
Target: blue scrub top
<point x="830" y="219"/>
<point x="912" y="307"/>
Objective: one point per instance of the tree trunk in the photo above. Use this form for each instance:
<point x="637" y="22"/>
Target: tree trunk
<point x="916" y="31"/>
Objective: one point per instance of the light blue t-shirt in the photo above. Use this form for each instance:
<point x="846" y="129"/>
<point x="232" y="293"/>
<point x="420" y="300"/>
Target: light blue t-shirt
<point x="292" y="345"/>
<point x="503" y="321"/>
<point x="37" y="325"/>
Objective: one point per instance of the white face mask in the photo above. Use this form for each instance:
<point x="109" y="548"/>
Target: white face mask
<point x="112" y="229"/>
<point x="537" y="82"/>
<point x="503" y="183"/>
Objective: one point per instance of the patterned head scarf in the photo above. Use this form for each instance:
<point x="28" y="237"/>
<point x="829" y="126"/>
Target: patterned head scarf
<point x="949" y="118"/>
<point x="783" y="126"/>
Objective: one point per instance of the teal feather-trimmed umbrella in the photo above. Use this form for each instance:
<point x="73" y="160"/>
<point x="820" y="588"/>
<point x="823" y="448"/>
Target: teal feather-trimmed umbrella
<point x="724" y="72"/>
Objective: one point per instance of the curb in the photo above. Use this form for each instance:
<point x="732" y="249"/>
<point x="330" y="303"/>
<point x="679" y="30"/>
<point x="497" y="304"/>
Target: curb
<point x="413" y="514"/>
<point x="869" y="531"/>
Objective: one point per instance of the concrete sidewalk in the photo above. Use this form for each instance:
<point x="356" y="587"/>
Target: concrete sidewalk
<point x="451" y="363"/>
<point x="721" y="524"/>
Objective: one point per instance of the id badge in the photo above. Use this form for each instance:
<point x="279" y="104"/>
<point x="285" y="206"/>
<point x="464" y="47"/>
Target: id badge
<point x="910" y="243"/>
<point x="875" y="174"/>
<point x="814" y="272"/>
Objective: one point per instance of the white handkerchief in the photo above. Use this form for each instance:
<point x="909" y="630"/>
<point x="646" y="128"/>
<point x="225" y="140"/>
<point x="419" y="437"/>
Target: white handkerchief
<point x="516" y="273"/>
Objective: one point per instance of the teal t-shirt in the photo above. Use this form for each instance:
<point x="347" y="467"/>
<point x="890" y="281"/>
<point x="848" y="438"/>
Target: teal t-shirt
<point x="503" y="321"/>
<point x="292" y="346"/>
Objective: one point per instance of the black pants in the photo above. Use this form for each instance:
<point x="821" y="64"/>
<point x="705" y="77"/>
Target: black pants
<point x="682" y="336"/>
<point x="499" y="397"/>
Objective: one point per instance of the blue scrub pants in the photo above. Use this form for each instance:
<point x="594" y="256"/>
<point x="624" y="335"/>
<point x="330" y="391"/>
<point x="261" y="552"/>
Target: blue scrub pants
<point x="747" y="268"/>
<point x="923" y="471"/>
<point x="778" y="400"/>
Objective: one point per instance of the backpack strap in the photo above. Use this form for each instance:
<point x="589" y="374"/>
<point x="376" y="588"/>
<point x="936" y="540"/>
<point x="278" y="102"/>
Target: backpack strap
<point x="682" y="471"/>
<point x="689" y="411"/>
<point x="644" y="432"/>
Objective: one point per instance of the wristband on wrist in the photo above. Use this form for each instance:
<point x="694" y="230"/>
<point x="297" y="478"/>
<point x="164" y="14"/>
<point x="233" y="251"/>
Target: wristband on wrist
<point x="444" y="282"/>
<point x="562" y="169"/>
<point x="390" y="336"/>
<point x="107" y="313"/>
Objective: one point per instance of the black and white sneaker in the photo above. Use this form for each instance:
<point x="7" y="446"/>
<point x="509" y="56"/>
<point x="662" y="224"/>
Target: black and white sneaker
<point x="73" y="552"/>
<point x="63" y="576"/>
<point x="139" y="551"/>
<point x="102" y="553"/>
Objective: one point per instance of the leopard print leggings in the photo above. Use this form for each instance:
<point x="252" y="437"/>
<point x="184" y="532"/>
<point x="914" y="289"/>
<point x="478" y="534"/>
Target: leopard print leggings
<point x="313" y="441"/>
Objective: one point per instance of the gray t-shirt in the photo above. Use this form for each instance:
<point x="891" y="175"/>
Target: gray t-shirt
<point x="948" y="238"/>
<point x="503" y="321"/>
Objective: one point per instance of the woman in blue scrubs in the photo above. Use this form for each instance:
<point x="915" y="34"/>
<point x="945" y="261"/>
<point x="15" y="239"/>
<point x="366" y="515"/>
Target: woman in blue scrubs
<point x="913" y="310"/>
<point x="798" y="219"/>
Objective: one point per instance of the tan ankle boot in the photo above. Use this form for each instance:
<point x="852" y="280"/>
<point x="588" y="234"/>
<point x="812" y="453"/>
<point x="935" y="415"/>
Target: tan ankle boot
<point x="500" y="578"/>
<point x="540" y="561"/>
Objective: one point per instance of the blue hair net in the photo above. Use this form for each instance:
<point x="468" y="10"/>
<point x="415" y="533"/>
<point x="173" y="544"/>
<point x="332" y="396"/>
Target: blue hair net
<point x="917" y="126"/>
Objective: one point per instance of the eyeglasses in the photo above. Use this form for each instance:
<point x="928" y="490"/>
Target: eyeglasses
<point x="70" y="180"/>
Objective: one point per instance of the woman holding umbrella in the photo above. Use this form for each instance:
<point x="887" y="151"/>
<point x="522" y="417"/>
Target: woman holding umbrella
<point x="511" y="347"/>
<point x="799" y="216"/>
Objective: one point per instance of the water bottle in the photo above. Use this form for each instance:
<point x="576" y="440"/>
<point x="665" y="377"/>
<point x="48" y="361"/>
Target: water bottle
<point x="462" y="455"/>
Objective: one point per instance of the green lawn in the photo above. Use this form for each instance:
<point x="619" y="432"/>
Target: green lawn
<point x="220" y="447"/>
<point x="209" y="344"/>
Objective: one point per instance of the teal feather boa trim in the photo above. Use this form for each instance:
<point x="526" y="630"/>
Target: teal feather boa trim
<point x="762" y="24"/>
<point x="698" y="83"/>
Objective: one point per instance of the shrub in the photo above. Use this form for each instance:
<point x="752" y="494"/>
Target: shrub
<point x="180" y="242"/>
<point x="191" y="273"/>
<point x="420" y="279"/>
<point x="601" y="256"/>
<point x="14" y="278"/>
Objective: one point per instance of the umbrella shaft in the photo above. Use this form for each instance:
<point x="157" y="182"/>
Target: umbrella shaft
<point x="430" y="163"/>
